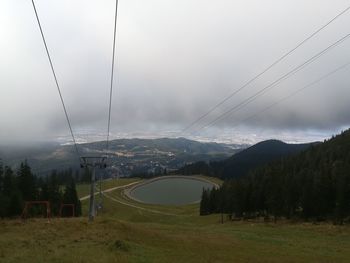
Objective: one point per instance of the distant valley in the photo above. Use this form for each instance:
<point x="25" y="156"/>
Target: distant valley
<point x="128" y="156"/>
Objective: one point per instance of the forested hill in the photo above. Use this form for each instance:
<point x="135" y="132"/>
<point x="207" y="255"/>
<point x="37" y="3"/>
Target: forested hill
<point x="241" y="163"/>
<point x="312" y="184"/>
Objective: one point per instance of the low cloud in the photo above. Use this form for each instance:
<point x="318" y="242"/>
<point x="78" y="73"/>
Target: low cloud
<point x="175" y="61"/>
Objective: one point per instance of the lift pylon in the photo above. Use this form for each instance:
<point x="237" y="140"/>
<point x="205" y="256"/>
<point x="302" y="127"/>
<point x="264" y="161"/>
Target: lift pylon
<point x="91" y="163"/>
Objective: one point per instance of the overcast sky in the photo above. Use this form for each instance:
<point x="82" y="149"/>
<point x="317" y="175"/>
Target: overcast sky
<point x="175" y="61"/>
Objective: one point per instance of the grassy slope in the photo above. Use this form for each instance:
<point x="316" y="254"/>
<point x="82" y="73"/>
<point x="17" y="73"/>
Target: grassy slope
<point x="126" y="234"/>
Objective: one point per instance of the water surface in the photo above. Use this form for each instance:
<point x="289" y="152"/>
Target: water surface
<point x="171" y="191"/>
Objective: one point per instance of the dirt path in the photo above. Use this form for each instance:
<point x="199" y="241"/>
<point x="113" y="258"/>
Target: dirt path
<point x="109" y="190"/>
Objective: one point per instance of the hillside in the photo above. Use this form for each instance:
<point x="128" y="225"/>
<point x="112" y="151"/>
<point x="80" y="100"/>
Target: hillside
<point x="241" y="163"/>
<point x="314" y="184"/>
<point x="129" y="232"/>
<point x="128" y="156"/>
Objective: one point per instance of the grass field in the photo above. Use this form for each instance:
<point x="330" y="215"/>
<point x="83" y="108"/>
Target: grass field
<point x="150" y="233"/>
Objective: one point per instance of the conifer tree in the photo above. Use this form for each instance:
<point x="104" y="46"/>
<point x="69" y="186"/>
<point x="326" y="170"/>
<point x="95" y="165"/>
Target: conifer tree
<point x="26" y="182"/>
<point x="204" y="204"/>
<point x="54" y="193"/>
<point x="2" y="196"/>
<point x="12" y="197"/>
<point x="70" y="196"/>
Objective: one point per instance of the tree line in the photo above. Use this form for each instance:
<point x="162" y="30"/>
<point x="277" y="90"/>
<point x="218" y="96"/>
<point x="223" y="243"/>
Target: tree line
<point x="22" y="185"/>
<point x="312" y="185"/>
<point x="239" y="164"/>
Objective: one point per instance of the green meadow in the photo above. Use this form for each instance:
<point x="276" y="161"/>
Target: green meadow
<point x="127" y="231"/>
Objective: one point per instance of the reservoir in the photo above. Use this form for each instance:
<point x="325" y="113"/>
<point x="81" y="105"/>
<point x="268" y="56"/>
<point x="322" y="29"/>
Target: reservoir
<point x="170" y="190"/>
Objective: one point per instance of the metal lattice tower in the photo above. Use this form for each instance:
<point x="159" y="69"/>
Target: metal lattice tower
<point x="91" y="163"/>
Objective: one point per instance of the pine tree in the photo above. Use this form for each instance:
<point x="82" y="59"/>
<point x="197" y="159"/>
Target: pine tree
<point x="44" y="190"/>
<point x="342" y="201"/>
<point x="86" y="177"/>
<point x="26" y="182"/>
<point x="204" y="204"/>
<point x="77" y="176"/>
<point x="2" y="196"/>
<point x="70" y="196"/>
<point x="1" y="174"/>
<point x="54" y="193"/>
<point x="12" y="198"/>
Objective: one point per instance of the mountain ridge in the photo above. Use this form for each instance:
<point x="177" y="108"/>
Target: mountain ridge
<point x="242" y="162"/>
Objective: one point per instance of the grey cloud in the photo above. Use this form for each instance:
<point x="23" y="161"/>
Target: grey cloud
<point x="175" y="60"/>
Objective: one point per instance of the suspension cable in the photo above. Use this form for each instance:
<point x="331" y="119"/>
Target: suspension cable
<point x="265" y="70"/>
<point x="112" y="76"/>
<point x="56" y="81"/>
